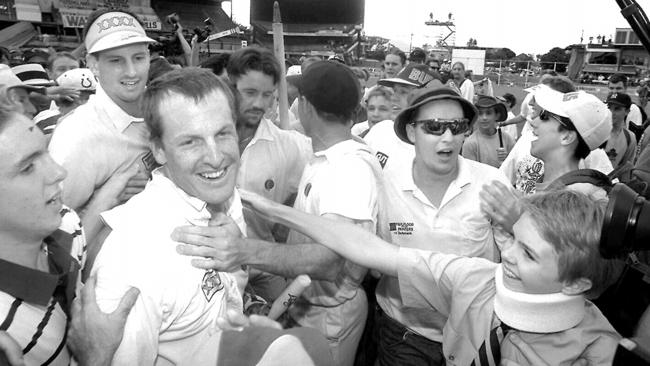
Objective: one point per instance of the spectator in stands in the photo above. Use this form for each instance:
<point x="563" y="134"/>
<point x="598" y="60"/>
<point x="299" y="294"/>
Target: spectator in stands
<point x="157" y="67"/>
<point x="617" y="83"/>
<point x="465" y="86"/>
<point x="621" y="144"/>
<point x="394" y="62"/>
<point x="486" y="144"/>
<point x="107" y="136"/>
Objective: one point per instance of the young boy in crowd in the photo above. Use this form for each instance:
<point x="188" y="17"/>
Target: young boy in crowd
<point x="486" y="144"/>
<point x="380" y="108"/>
<point x="510" y="101"/>
<point x="531" y="307"/>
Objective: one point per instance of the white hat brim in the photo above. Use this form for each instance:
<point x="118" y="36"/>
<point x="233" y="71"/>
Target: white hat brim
<point x="119" y="39"/>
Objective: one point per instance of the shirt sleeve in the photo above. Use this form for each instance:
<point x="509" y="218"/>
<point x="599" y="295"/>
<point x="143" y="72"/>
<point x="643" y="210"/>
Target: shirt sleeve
<point x="430" y="279"/>
<point x="467" y="90"/>
<point x="115" y="275"/>
<point x="470" y="149"/>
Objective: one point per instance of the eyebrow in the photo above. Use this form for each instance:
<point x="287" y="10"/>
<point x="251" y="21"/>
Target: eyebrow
<point x="29" y="157"/>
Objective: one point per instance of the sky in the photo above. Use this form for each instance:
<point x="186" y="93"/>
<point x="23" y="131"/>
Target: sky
<point x="524" y="26"/>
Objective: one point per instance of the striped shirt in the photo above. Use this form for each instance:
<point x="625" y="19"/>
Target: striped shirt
<point x="34" y="305"/>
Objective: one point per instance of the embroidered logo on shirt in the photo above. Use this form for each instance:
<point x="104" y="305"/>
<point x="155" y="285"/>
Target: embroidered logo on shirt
<point x="211" y="284"/>
<point x="149" y="162"/>
<point x="401" y="228"/>
<point x="307" y="189"/>
<point x="269" y="184"/>
<point x="383" y="158"/>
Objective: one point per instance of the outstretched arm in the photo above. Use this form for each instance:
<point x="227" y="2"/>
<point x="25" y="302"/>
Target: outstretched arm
<point x="348" y="240"/>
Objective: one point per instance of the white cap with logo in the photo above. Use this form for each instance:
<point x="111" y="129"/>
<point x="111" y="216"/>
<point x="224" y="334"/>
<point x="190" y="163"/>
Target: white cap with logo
<point x="114" y="29"/>
<point x="79" y="79"/>
<point x="590" y="116"/>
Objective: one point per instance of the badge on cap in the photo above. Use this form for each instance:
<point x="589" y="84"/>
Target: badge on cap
<point x="269" y="184"/>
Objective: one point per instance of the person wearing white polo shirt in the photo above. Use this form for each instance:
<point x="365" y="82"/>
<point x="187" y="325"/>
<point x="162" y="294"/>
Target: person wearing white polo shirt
<point x="272" y="159"/>
<point x="433" y="205"/>
<point x="107" y="135"/>
<point x="191" y="116"/>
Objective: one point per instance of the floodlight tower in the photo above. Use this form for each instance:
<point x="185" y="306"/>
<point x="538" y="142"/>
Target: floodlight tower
<point x="451" y="28"/>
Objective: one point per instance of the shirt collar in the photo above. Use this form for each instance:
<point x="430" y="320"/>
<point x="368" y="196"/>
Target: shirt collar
<point x="37" y="287"/>
<point x="194" y="210"/>
<point x="264" y="131"/>
<point x="112" y="112"/>
<point x="342" y="148"/>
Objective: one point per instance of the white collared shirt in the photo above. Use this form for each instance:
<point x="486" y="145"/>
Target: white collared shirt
<point x="174" y="318"/>
<point x="95" y="141"/>
<point x="457" y="226"/>
<point x="271" y="166"/>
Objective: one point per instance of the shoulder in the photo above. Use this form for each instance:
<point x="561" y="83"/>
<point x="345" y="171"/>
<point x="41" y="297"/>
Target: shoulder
<point x="76" y="125"/>
<point x="483" y="172"/>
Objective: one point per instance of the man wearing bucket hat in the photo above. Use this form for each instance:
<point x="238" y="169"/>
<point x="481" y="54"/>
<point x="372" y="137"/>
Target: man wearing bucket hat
<point x="107" y="135"/>
<point x="434" y="206"/>
<point x="487" y="144"/>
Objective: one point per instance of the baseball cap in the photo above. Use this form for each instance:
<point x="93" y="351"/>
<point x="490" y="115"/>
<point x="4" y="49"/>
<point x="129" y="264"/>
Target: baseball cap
<point x="413" y="75"/>
<point x="589" y="115"/>
<point x="486" y="101"/>
<point x="424" y="96"/>
<point x="9" y="80"/>
<point x="621" y="99"/>
<point x="417" y="54"/>
<point x="114" y="29"/>
<point x="79" y="79"/>
<point x="32" y="74"/>
<point x="331" y="87"/>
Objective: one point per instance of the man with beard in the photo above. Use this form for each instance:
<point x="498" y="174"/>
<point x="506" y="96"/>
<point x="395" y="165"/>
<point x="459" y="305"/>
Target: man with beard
<point x="272" y="160"/>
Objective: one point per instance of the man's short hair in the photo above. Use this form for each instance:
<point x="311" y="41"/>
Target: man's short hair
<point x="381" y="91"/>
<point x="58" y="55"/>
<point x="217" y="63"/>
<point x="190" y="82"/>
<point x="571" y="222"/>
<point x="397" y="52"/>
<point x="510" y="98"/>
<point x="617" y="78"/>
<point x="253" y="58"/>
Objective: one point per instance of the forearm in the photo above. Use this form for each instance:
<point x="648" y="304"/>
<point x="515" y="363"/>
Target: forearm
<point x="517" y="120"/>
<point x="288" y="260"/>
<point x="348" y="240"/>
<point x="194" y="55"/>
<point x="187" y="51"/>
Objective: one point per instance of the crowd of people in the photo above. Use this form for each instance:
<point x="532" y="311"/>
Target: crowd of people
<point x="158" y="214"/>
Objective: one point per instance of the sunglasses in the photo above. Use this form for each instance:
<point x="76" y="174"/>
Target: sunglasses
<point x="438" y="126"/>
<point x="545" y="115"/>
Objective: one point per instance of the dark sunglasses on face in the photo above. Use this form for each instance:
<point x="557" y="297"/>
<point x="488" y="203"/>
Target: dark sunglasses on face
<point x="438" y="126"/>
<point x="545" y="115"/>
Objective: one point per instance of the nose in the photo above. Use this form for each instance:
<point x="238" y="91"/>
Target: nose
<point x="30" y="110"/>
<point x="447" y="135"/>
<point x="507" y="254"/>
<point x="212" y="154"/>
<point x="130" y="68"/>
<point x="57" y="172"/>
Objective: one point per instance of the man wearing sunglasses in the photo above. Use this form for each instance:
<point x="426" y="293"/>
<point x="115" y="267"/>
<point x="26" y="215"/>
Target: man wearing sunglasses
<point x="434" y="205"/>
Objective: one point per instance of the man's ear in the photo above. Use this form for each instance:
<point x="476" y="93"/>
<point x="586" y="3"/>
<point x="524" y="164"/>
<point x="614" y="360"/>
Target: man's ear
<point x="410" y="132"/>
<point x="158" y="151"/>
<point x="577" y="287"/>
<point x="569" y="137"/>
<point x="91" y="63"/>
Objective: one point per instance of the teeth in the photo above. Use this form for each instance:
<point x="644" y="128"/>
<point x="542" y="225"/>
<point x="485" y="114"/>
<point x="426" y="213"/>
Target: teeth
<point x="214" y="175"/>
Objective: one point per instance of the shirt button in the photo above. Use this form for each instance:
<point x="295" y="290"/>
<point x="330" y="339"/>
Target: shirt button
<point x="451" y="357"/>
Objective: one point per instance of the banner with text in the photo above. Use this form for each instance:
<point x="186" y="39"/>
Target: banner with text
<point x="76" y="18"/>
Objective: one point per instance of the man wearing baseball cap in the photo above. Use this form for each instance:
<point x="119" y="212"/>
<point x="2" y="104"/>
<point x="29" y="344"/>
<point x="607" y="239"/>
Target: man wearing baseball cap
<point x="621" y="144"/>
<point x="434" y="205"/>
<point x="107" y="135"/>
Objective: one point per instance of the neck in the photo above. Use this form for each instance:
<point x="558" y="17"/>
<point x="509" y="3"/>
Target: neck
<point x="22" y="251"/>
<point x="559" y="165"/>
<point x="326" y="134"/>
<point x="246" y="133"/>
<point x="132" y="108"/>
<point x="489" y="131"/>
<point x="425" y="178"/>
<point x="617" y="127"/>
